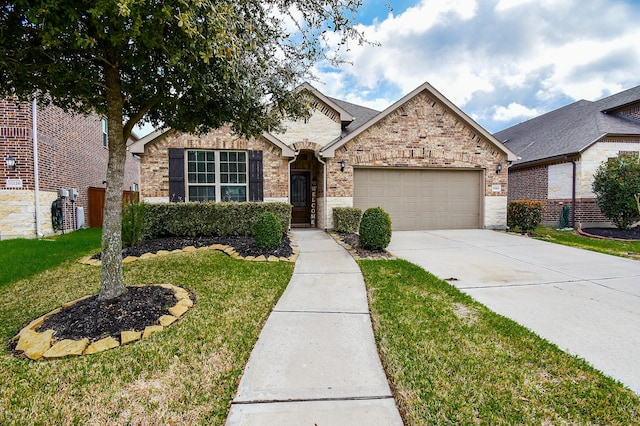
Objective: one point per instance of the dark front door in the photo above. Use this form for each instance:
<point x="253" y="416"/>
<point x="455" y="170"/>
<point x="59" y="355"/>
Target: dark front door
<point x="301" y="198"/>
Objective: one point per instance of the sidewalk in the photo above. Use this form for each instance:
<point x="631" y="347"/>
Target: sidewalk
<point x="316" y="361"/>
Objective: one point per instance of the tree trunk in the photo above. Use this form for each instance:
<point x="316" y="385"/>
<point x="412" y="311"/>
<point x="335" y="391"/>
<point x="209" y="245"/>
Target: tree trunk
<point x="112" y="278"/>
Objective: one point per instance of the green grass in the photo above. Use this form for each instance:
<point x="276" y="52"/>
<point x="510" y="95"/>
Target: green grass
<point x="450" y="360"/>
<point x="22" y="258"/>
<point x="186" y="374"/>
<point x="573" y="239"/>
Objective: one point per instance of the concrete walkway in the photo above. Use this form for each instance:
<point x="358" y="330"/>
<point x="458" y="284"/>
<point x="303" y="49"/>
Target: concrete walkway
<point x="316" y="361"/>
<point x="587" y="303"/>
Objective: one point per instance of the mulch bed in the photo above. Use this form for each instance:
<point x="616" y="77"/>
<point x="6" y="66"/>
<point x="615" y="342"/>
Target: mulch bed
<point x="353" y="240"/>
<point x="613" y="233"/>
<point x="245" y="246"/>
<point x="95" y="319"/>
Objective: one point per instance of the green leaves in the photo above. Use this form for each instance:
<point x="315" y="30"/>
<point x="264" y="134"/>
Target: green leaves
<point x="616" y="182"/>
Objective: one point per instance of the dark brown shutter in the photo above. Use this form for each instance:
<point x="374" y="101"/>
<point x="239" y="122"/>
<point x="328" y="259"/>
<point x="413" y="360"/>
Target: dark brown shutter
<point x="256" y="181"/>
<point x="176" y="175"/>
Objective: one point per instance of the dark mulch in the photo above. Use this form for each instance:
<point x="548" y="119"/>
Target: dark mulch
<point x="620" y="234"/>
<point x="354" y="241"/>
<point x="245" y="246"/>
<point x="95" y="319"/>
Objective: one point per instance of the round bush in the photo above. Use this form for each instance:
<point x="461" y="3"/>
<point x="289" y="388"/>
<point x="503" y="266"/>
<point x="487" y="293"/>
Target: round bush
<point x="267" y="231"/>
<point x="375" y="229"/>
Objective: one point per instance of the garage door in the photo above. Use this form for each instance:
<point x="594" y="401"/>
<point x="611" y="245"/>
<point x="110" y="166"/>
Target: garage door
<point x="422" y="199"/>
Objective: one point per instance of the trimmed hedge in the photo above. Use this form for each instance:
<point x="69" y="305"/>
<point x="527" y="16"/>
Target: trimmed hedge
<point x="267" y="231"/>
<point x="346" y="219"/>
<point x="208" y="219"/>
<point x="524" y="215"/>
<point x="375" y="229"/>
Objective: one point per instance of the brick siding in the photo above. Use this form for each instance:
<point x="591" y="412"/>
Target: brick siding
<point x="532" y="184"/>
<point x="154" y="163"/>
<point x="421" y="134"/>
<point x="70" y="152"/>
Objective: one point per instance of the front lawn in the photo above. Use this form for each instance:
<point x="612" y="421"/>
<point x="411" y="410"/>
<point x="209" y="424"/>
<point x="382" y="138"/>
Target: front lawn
<point x="21" y="258"/>
<point x="451" y="360"/>
<point x="573" y="239"/>
<point x="184" y="375"/>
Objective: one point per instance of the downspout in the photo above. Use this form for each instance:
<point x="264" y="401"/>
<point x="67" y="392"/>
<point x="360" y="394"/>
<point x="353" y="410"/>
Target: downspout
<point x="324" y="191"/>
<point x="573" y="196"/>
<point x="36" y="174"/>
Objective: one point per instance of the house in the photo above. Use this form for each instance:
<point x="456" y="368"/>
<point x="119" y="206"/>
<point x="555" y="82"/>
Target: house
<point x="560" y="151"/>
<point x="47" y="156"/>
<point x="422" y="159"/>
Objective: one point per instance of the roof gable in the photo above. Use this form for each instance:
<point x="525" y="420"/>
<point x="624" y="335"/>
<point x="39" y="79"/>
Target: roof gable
<point x="329" y="150"/>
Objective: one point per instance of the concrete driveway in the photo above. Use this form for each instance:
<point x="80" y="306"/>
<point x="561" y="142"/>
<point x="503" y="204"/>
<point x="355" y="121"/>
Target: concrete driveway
<point x="585" y="302"/>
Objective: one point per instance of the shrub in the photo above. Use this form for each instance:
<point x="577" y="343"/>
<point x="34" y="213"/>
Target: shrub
<point x="375" y="229"/>
<point x="267" y="231"/>
<point x="615" y="183"/>
<point x="132" y="223"/>
<point x="346" y="219"/>
<point x="524" y="215"/>
<point x="209" y="219"/>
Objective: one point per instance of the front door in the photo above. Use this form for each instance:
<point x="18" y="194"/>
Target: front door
<point x="301" y="198"/>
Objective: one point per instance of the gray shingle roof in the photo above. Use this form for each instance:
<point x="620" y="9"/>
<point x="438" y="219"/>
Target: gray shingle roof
<point x="360" y="113"/>
<point x="570" y="129"/>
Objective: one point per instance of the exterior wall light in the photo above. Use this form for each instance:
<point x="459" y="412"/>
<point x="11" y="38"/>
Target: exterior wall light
<point x="342" y="165"/>
<point x="11" y="162"/>
<point x="499" y="168"/>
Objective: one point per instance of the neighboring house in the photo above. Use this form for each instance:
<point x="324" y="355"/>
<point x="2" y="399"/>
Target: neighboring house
<point x="560" y="151"/>
<point x="71" y="153"/>
<point x="422" y="160"/>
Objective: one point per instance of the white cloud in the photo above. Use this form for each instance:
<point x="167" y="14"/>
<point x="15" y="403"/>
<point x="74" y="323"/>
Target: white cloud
<point x="514" y="111"/>
<point x="536" y="54"/>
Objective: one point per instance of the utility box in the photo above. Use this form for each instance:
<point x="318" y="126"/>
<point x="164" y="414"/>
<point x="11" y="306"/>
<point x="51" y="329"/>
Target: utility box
<point x="73" y="194"/>
<point x="63" y="193"/>
<point x="79" y="217"/>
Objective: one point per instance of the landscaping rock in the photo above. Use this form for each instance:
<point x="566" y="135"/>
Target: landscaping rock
<point x="101" y="345"/>
<point x="67" y="347"/>
<point x="34" y="344"/>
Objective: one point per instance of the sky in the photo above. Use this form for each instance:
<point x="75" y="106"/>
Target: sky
<point x="500" y="61"/>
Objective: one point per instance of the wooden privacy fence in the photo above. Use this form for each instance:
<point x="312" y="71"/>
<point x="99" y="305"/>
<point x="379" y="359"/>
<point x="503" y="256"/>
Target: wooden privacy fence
<point x="95" y="203"/>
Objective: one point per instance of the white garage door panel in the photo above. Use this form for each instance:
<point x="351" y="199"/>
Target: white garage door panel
<point x="422" y="199"/>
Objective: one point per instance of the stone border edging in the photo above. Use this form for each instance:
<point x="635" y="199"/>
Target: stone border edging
<point x="42" y="345"/>
<point x="600" y="237"/>
<point x="229" y="250"/>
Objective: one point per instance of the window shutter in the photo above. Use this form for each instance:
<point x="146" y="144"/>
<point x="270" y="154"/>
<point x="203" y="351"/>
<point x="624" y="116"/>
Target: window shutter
<point x="256" y="181"/>
<point x="176" y="175"/>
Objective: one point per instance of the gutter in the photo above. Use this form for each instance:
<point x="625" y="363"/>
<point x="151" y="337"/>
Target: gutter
<point x="36" y="173"/>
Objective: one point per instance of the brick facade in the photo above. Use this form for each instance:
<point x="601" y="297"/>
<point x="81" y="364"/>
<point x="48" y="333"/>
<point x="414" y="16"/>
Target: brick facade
<point x="422" y="133"/>
<point x="154" y="162"/>
<point x="632" y="112"/>
<point x="532" y="184"/>
<point x="70" y="155"/>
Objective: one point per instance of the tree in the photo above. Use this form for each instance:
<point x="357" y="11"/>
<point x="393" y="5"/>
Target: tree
<point x="616" y="183"/>
<point x="190" y="65"/>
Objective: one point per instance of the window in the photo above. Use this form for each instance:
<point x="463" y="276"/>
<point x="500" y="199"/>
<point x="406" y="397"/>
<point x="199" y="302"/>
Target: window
<point x="105" y="139"/>
<point x="217" y="175"/>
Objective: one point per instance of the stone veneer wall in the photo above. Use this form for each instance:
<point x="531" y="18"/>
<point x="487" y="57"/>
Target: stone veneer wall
<point x="154" y="163"/>
<point x="17" y="213"/>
